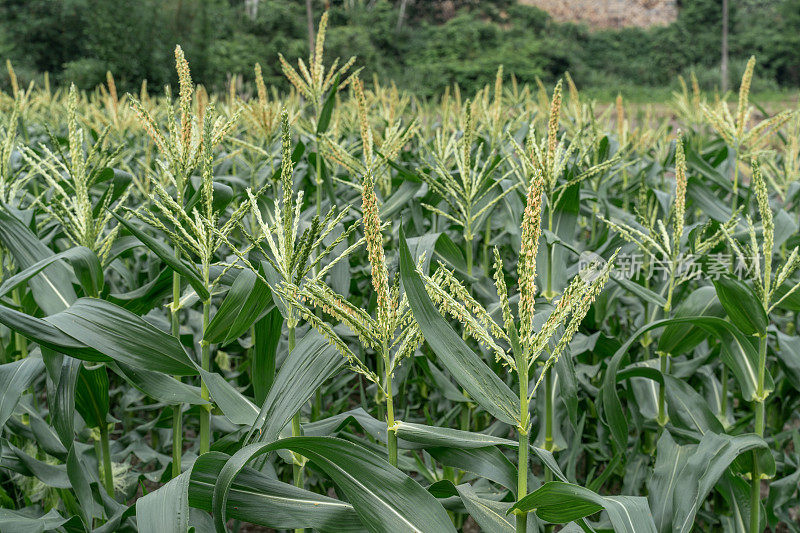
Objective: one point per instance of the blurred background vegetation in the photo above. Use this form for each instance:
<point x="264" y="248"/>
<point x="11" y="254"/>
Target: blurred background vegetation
<point x="435" y="43"/>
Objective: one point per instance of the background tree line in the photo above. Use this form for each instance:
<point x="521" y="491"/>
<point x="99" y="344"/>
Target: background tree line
<point x="422" y="45"/>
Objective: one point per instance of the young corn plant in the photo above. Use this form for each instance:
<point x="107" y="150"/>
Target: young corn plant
<point x="263" y="113"/>
<point x="663" y="242"/>
<point x="750" y="308"/>
<point x="688" y="103"/>
<point x="70" y="180"/>
<point x="516" y="343"/>
<point x="113" y="111"/>
<point x="198" y="233"/>
<point x="289" y="256"/>
<point x="491" y="109"/>
<point x="187" y="145"/>
<point x="391" y="102"/>
<point x="745" y="141"/>
<point x="785" y="167"/>
<point x="318" y="86"/>
<point x="21" y="99"/>
<point x="547" y="160"/>
<point x="391" y="333"/>
<point x="464" y="176"/>
<point x="375" y="156"/>
<point x="12" y="182"/>
<point x="550" y="156"/>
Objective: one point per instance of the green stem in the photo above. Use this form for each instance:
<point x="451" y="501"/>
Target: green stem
<point x="378" y="397"/>
<point x="177" y="416"/>
<point x="755" y="489"/>
<point x="548" y="410"/>
<point x="670" y="288"/>
<point x="205" y="363"/>
<point x="177" y="439"/>
<point x="524" y="441"/>
<point x="318" y="160"/>
<point x="391" y="436"/>
<point x="319" y="182"/>
<point x="468" y="251"/>
<point x="662" y="412"/>
<point x="723" y="408"/>
<point x="486" y="255"/>
<point x="549" y="444"/>
<point x="522" y="479"/>
<point x="466" y="417"/>
<point x="762" y="367"/>
<point x="108" y="476"/>
<point x="297" y="466"/>
<point x="755" y="497"/>
<point x="549" y="294"/>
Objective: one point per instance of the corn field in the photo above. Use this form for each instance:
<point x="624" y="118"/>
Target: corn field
<point x="344" y="308"/>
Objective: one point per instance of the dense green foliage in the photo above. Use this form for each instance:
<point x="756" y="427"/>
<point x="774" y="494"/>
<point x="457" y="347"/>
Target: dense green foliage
<point x="343" y="308"/>
<point x="439" y="43"/>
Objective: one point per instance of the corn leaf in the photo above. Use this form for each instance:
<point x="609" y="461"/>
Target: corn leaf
<point x="560" y="502"/>
<point x="464" y="365"/>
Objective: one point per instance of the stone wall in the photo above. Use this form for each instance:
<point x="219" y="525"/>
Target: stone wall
<point x="610" y="13"/>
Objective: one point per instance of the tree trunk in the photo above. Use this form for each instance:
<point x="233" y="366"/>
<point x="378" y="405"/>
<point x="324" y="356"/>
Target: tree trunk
<point x="251" y="8"/>
<point x="723" y="68"/>
<point x="310" y="17"/>
<point x="402" y="15"/>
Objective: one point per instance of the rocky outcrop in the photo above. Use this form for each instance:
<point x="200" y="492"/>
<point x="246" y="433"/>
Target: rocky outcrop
<point x="610" y="13"/>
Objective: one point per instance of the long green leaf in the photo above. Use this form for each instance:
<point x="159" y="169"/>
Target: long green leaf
<point x="246" y="300"/>
<point x="123" y="336"/>
<point x="187" y="271"/>
<point x="14" y="379"/>
<point x="312" y="361"/>
<point x="560" y="502"/>
<point x="263" y="354"/>
<point x="467" y="368"/>
<point x="489" y="514"/>
<point x="738" y="354"/>
<point x="384" y="497"/>
<point x="165" y="510"/>
<point x="742" y="305"/>
<point x="91" y="395"/>
<point x="259" y="499"/>
<point x="52" y="287"/>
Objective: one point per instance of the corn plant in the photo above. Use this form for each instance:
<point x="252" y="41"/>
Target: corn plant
<point x="394" y="137"/>
<point x="391" y="333"/>
<point x="661" y="239"/>
<point x="71" y="203"/>
<point x="751" y="312"/>
<point x="464" y="178"/>
<point x="289" y="255"/>
<point x="688" y="103"/>
<point x="318" y="86"/>
<point x="10" y="181"/>
<point x="189" y="145"/>
<point x="744" y="140"/>
<point x="524" y="344"/>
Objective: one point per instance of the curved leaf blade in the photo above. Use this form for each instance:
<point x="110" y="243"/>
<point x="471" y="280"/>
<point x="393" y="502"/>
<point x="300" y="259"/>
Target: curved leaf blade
<point x="467" y="368"/>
